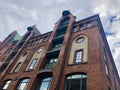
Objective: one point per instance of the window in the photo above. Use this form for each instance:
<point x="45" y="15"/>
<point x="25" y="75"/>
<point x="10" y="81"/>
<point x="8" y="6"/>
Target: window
<point x="75" y="29"/>
<point x="25" y="53"/>
<point x="6" y="85"/>
<point x="44" y="84"/>
<point x="58" y="45"/>
<point x="89" y="24"/>
<point x="106" y="62"/>
<point x="51" y="64"/>
<point x="76" y="82"/>
<point x="78" y="56"/>
<point x="40" y="49"/>
<point x="46" y="39"/>
<point x="36" y="41"/>
<point x="40" y="40"/>
<point x="53" y="60"/>
<point x="28" y="44"/>
<point x="32" y="65"/>
<point x="33" y="42"/>
<point x="80" y="39"/>
<point x="23" y="84"/>
<point x="106" y="69"/>
<point x="17" y="67"/>
<point x="82" y="27"/>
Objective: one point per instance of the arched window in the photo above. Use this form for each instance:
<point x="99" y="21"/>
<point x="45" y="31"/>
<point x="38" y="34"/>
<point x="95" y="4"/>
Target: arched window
<point x="23" y="84"/>
<point x="17" y="67"/>
<point x="44" y="83"/>
<point x="7" y="83"/>
<point x="76" y="82"/>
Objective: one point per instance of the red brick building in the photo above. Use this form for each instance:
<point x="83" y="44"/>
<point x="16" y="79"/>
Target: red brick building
<point x="74" y="56"/>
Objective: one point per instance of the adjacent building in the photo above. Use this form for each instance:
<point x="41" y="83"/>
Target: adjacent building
<point x="74" y="56"/>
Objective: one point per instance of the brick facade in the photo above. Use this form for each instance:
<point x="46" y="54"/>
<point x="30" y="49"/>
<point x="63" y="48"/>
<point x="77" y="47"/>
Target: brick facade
<point x="94" y="67"/>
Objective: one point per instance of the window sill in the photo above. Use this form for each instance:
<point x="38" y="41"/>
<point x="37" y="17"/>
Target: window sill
<point x="12" y="72"/>
<point x="29" y="70"/>
<point x="77" y="64"/>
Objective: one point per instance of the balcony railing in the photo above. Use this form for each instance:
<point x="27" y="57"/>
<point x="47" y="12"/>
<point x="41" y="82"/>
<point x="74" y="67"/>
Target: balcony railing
<point x="54" y="49"/>
<point x="50" y="66"/>
<point x="59" y="37"/>
<point x="63" y="26"/>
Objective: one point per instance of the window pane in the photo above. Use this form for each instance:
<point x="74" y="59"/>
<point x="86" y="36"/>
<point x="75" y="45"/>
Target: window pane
<point x="81" y="27"/>
<point x="78" y="57"/>
<point x="75" y="29"/>
<point x="52" y="60"/>
<point x="23" y="84"/>
<point x="89" y="24"/>
<point x="25" y="80"/>
<point x="45" y="83"/>
<point x="8" y="82"/>
<point x="6" y="85"/>
<point x="76" y="82"/>
<point x="40" y="49"/>
<point x="32" y="64"/>
<point x="106" y="68"/>
<point x="47" y="79"/>
<point x="17" y="67"/>
<point x="84" y="81"/>
<point x="55" y="60"/>
<point x="44" y="86"/>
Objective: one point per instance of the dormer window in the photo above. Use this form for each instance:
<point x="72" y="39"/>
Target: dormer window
<point x="89" y="24"/>
<point x="81" y="26"/>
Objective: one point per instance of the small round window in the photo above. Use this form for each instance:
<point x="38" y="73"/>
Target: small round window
<point x="80" y="39"/>
<point x="40" y="49"/>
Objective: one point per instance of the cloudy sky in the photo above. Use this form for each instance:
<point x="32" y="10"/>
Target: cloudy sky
<point x="19" y="14"/>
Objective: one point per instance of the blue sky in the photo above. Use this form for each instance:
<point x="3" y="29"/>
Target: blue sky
<point x="19" y="14"/>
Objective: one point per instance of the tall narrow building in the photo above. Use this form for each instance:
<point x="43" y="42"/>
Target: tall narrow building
<point x="74" y="56"/>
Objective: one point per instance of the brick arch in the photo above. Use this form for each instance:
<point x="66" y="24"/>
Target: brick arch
<point x="75" y="73"/>
<point x="45" y="74"/>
